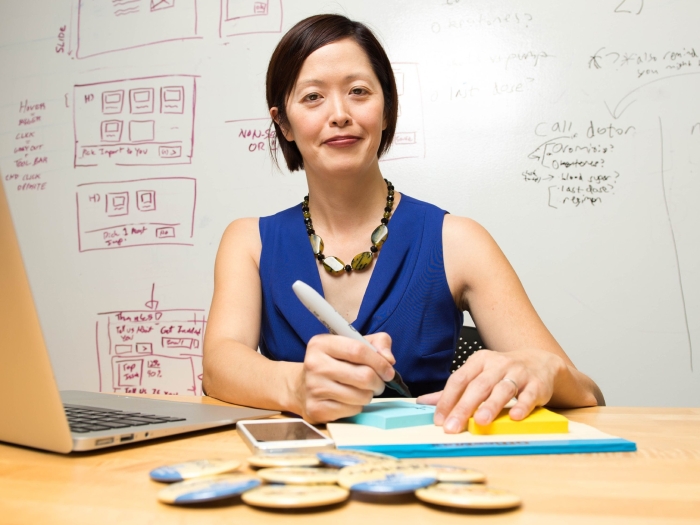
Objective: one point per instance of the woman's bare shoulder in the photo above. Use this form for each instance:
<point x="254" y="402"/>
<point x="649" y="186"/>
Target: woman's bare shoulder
<point x="456" y="230"/>
<point x="472" y="258"/>
<point x="242" y="236"/>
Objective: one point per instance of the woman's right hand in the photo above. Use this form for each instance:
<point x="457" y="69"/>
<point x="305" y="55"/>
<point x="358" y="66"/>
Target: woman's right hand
<point x="340" y="375"/>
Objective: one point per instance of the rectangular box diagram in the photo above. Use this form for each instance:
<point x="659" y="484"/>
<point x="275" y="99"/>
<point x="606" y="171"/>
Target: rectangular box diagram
<point x="245" y="17"/>
<point x="105" y="26"/>
<point x="135" y="122"/>
<point x="409" y="138"/>
<point x="135" y="213"/>
<point x="151" y="351"/>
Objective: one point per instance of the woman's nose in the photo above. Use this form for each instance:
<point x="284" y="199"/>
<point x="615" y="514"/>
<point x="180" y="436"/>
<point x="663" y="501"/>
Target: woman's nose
<point x="340" y="115"/>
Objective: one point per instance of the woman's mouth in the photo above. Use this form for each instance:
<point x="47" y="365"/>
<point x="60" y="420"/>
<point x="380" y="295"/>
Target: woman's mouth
<point x="342" y="141"/>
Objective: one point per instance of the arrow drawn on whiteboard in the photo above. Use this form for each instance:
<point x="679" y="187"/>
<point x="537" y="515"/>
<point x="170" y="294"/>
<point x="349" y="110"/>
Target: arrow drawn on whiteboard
<point x="535" y="156"/>
<point x="624" y="103"/>
<point x="675" y="247"/>
<point x="152" y="304"/>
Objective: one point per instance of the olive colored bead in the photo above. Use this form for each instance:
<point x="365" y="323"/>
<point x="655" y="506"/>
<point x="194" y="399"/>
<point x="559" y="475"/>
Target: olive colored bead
<point x="362" y="261"/>
<point x="333" y="265"/>
<point x="387" y="214"/>
<point x="307" y="214"/>
<point x="379" y="235"/>
<point x="316" y="243"/>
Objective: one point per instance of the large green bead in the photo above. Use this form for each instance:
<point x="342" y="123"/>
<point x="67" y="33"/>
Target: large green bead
<point x="333" y="265"/>
<point x="361" y="261"/>
<point x="379" y="235"/>
<point x="316" y="243"/>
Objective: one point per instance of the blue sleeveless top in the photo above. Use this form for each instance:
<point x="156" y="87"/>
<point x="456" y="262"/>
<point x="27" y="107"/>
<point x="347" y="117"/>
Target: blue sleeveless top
<point x="407" y="296"/>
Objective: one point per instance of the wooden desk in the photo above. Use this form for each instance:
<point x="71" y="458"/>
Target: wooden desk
<point x="660" y="483"/>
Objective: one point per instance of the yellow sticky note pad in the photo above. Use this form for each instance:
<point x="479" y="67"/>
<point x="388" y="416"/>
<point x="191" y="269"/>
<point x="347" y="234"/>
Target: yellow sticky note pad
<point x="540" y="421"/>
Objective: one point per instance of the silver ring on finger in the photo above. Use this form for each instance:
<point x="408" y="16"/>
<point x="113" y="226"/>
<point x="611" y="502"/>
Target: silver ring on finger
<point x="514" y="384"/>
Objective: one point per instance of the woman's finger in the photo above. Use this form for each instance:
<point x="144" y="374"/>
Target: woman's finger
<point x="429" y="399"/>
<point x="351" y="351"/>
<point x="382" y="342"/>
<point x="527" y="401"/>
<point x="327" y="369"/>
<point x="478" y="390"/>
<point x="502" y="392"/>
<point x="457" y="384"/>
<point x="324" y="410"/>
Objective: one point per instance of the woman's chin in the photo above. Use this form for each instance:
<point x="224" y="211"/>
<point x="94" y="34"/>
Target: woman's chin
<point x="349" y="166"/>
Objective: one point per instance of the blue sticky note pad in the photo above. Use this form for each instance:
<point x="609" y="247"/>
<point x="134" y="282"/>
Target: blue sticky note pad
<point x="393" y="414"/>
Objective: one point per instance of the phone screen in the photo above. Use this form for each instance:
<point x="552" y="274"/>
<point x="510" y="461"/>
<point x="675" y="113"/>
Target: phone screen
<point x="292" y="431"/>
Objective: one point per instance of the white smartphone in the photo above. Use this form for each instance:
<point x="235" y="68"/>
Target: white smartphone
<point x="282" y="436"/>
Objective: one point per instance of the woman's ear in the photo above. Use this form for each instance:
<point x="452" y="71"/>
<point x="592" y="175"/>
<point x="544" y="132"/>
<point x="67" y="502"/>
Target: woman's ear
<point x="274" y="113"/>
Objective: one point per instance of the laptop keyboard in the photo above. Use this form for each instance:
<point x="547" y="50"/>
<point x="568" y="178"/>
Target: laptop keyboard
<point x="88" y="419"/>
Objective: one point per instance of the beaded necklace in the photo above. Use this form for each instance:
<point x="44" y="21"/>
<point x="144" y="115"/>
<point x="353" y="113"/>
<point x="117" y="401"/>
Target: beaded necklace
<point x="334" y="265"/>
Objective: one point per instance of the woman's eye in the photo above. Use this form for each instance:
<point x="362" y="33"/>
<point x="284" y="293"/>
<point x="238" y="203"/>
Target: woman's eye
<point x="312" y="97"/>
<point x="358" y="91"/>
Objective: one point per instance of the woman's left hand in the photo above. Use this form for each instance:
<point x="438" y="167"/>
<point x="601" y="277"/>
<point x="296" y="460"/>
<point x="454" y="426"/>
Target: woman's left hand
<point x="488" y="380"/>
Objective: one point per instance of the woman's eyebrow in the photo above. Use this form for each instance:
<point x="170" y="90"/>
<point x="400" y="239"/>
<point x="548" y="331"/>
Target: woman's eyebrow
<point x="318" y="82"/>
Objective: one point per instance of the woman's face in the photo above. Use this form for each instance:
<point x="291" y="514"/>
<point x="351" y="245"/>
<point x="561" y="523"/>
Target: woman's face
<point x="335" y="111"/>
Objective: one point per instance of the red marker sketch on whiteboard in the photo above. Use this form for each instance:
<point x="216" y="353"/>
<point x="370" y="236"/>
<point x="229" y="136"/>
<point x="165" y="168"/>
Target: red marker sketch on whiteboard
<point x="150" y="350"/>
<point x="105" y="26"/>
<point x="136" y="213"/>
<point x="135" y="122"/>
<point x="245" y="17"/>
<point x="409" y="138"/>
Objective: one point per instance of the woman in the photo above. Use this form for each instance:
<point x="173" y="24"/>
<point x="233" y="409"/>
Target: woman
<point x="333" y="101"/>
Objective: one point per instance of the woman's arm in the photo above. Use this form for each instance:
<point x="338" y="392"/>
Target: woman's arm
<point x="338" y="375"/>
<point x="522" y="350"/>
<point x="233" y="369"/>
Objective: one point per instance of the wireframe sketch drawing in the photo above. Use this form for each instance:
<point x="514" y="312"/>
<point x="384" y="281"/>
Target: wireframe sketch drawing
<point x="149" y="350"/>
<point x="409" y="141"/>
<point x="244" y="17"/>
<point x="105" y="26"/>
<point x="135" y="122"/>
<point x="135" y="213"/>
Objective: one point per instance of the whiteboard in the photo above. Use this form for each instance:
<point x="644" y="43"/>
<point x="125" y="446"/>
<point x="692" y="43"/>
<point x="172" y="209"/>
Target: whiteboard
<point x="133" y="131"/>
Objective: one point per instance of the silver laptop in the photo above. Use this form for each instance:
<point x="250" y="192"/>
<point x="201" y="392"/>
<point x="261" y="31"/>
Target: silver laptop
<point x="32" y="410"/>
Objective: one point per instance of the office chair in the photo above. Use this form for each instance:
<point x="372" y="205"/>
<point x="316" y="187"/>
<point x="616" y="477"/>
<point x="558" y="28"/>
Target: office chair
<point x="469" y="342"/>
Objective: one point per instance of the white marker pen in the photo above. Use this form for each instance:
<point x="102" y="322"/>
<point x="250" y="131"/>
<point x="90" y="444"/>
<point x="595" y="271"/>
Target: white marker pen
<point x="337" y="325"/>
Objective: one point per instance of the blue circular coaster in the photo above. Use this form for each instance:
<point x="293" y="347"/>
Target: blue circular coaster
<point x="208" y="489"/>
<point x="397" y="483"/>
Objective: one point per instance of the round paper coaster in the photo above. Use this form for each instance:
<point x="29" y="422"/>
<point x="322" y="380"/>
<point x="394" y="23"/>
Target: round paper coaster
<point x="284" y="460"/>
<point x="193" y="469"/>
<point x="387" y="477"/>
<point x="300" y="475"/>
<point x="455" y="474"/>
<point x="208" y="489"/>
<point x="346" y="458"/>
<point x="468" y="496"/>
<point x="295" y="496"/>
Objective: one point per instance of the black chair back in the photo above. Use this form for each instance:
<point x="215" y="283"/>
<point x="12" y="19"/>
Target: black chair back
<point x="469" y="342"/>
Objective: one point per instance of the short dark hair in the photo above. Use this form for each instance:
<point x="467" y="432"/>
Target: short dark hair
<point x="286" y="62"/>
